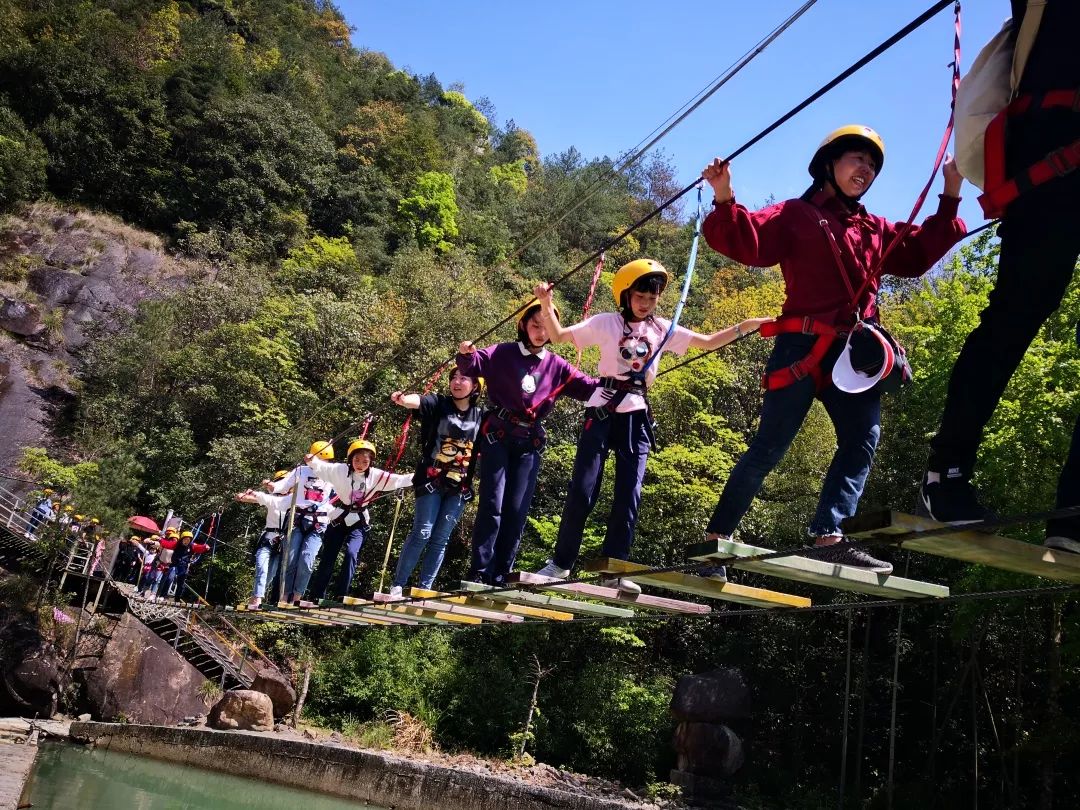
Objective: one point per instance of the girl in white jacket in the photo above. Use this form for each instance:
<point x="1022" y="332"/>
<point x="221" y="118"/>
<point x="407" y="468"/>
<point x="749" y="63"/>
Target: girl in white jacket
<point x="355" y="483"/>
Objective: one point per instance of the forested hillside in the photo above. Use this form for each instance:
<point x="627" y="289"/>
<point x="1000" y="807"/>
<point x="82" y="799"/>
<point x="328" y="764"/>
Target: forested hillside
<point x="354" y="223"/>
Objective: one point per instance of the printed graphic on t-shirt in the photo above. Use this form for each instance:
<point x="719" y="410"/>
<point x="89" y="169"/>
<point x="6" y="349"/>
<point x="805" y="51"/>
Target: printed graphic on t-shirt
<point x="453" y="450"/>
<point x="634" y="353"/>
<point x="528" y="384"/>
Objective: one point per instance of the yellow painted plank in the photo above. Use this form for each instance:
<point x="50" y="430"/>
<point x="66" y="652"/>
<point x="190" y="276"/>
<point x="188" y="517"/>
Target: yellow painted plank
<point x="971" y="546"/>
<point x="699" y="586"/>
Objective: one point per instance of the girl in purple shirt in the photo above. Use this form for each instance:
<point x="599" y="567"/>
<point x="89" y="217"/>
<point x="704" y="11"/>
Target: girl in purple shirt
<point x="523" y="381"/>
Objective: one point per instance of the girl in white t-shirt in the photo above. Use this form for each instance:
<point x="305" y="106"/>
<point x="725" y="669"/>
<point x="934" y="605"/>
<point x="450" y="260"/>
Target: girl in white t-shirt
<point x="617" y="417"/>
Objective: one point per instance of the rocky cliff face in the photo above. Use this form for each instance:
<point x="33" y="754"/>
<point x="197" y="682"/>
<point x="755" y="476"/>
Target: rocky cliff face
<point x="66" y="278"/>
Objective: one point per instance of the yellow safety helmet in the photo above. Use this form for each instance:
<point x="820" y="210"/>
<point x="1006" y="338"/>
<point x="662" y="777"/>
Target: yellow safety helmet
<point x="47" y="491"/>
<point x="186" y="534"/>
<point x="95" y="521"/>
<point x="324" y="450"/>
<point x="79" y="518"/>
<point x="360" y="444"/>
<point x="840" y="140"/>
<point x="54" y="504"/>
<point x="134" y="538"/>
<point x="68" y="507"/>
<point x="170" y="530"/>
<point x="278" y="475"/>
<point x="629" y="274"/>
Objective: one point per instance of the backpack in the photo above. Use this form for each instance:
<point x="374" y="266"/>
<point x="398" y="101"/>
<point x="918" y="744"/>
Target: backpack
<point x="988" y="88"/>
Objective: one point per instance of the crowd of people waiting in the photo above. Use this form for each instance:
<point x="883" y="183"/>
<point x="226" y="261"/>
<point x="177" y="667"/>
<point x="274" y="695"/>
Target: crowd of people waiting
<point x="158" y="565"/>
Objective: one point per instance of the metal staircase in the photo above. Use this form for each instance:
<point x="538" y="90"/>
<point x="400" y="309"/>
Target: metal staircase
<point x="230" y="665"/>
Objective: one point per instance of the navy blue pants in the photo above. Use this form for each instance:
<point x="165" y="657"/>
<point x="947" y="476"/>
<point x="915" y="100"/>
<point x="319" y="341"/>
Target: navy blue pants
<point x="855" y="417"/>
<point x="508" y="470"/>
<point x="627" y="434"/>
<point x="352" y="538"/>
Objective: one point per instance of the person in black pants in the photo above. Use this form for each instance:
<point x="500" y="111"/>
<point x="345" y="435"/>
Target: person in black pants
<point x="1040" y="243"/>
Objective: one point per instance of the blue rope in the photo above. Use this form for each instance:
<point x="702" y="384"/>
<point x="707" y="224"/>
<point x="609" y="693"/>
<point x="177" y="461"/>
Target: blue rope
<point x="690" y="264"/>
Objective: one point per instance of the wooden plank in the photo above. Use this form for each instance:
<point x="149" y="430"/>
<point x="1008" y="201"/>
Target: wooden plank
<point x="413" y="609"/>
<point x="612" y="596"/>
<point x="372" y="614"/>
<point x="449" y="606"/>
<point x="573" y="606"/>
<point x="699" y="586"/>
<point x="520" y="612"/>
<point x="816" y="572"/>
<point x="526" y="611"/>
<point x="419" y="616"/>
<point x="971" y="546"/>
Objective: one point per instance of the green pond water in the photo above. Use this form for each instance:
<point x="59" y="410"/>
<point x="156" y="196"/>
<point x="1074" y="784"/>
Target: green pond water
<point x="72" y="777"/>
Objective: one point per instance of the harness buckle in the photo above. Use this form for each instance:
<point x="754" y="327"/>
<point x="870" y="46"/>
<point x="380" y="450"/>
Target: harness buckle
<point x="807" y="325"/>
<point x="1059" y="160"/>
<point x="798" y="369"/>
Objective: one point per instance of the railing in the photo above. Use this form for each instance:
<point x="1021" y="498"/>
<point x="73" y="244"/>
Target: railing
<point x="13" y="512"/>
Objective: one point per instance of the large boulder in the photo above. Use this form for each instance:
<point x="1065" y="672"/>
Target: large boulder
<point x="277" y="687"/>
<point x="141" y="678"/>
<point x="243" y="710"/>
<point x="708" y="749"/>
<point x="34" y="683"/>
<point x="712" y="697"/>
<point x="20" y="318"/>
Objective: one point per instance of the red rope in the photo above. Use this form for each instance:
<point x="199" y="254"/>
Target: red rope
<point x="907" y="226"/>
<point x="394" y="457"/>
<point x="589" y="299"/>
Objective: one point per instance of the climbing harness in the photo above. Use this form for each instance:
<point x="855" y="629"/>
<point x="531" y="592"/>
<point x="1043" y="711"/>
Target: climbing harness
<point x="1000" y="190"/>
<point x="827" y="333"/>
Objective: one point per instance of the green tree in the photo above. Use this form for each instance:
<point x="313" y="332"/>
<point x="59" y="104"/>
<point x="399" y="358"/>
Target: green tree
<point x="431" y="211"/>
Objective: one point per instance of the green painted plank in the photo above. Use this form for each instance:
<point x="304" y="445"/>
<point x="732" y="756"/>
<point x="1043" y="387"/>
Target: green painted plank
<point x="816" y="572"/>
<point x="971" y="546"/>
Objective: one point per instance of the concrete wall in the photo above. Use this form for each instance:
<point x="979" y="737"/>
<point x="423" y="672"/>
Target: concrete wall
<point x="368" y="777"/>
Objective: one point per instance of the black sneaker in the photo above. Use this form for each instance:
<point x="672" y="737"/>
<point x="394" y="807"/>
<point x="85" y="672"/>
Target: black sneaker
<point x="846" y="553"/>
<point x="1059" y="543"/>
<point x="953" y="499"/>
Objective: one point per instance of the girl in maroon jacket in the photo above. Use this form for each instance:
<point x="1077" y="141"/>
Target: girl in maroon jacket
<point x="827" y="246"/>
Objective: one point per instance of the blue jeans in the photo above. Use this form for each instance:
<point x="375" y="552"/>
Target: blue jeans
<point x="267" y="561"/>
<point x="508" y="470"/>
<point x="304" y="545"/>
<point x="628" y="435"/>
<point x="434" y="519"/>
<point x="165" y="581"/>
<point x="352" y="537"/>
<point x="150" y="581"/>
<point x="856" y="418"/>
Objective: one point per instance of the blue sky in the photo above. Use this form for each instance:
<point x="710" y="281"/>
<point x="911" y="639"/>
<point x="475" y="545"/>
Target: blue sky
<point x="600" y="76"/>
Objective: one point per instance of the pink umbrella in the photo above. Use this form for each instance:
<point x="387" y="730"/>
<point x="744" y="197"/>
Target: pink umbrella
<point x="143" y="524"/>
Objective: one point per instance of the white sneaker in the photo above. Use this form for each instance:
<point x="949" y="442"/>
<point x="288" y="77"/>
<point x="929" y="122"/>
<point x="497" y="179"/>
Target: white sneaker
<point x="552" y="570"/>
<point x="395" y="592"/>
<point x="627" y="587"/>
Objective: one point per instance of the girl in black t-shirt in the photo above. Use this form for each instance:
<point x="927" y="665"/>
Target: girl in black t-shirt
<point x="443" y="478"/>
